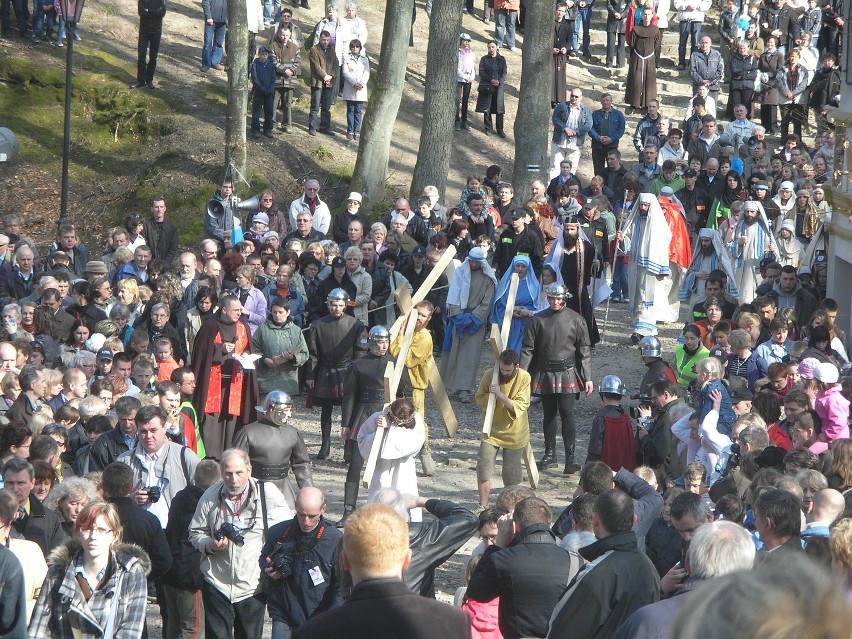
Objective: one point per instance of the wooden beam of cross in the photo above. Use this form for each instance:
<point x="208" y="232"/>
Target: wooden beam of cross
<point x="505" y="328"/>
<point x="406" y="303"/>
<point x="424" y="289"/>
<point x="381" y="432"/>
<point x="529" y="459"/>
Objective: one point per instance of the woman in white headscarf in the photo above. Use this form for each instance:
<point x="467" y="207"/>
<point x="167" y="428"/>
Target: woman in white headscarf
<point x="789" y="248"/>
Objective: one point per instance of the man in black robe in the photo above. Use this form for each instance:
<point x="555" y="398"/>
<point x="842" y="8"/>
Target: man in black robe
<point x="579" y="264"/>
<point x="363" y="395"/>
<point x="333" y="342"/>
<point x="555" y="352"/>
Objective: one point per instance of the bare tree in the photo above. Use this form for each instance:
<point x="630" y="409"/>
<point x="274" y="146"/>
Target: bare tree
<point x="235" y="125"/>
<point x="371" y="165"/>
<point x="439" y="105"/>
<point x="532" y="123"/>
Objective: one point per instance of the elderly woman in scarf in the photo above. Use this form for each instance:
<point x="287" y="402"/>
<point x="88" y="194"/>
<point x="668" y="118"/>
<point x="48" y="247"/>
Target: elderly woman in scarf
<point x="790" y="250"/>
<point x="525" y="300"/>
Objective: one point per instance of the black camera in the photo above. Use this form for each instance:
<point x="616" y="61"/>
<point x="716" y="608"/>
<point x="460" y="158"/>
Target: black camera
<point x="154" y="494"/>
<point x="733" y="460"/>
<point x="644" y="402"/>
<point x="230" y="532"/>
<point x="282" y="562"/>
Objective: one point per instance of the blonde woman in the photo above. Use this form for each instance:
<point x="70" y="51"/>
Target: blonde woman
<point x="95" y="586"/>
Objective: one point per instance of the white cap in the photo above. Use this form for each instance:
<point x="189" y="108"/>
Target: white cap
<point x="826" y="372"/>
<point x="355" y="196"/>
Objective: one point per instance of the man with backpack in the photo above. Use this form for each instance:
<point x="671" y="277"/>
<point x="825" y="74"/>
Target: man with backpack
<point x="151" y="13"/>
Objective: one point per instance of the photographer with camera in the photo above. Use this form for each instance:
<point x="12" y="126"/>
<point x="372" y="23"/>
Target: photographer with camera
<point x="657" y="447"/>
<point x="229" y="527"/>
<point x="300" y="557"/>
<point x="160" y="467"/>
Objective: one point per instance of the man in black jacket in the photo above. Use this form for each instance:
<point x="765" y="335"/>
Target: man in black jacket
<point x="518" y="239"/>
<point x="526" y="568"/>
<point x="35" y="522"/>
<point x="619" y="580"/>
<point x="433" y="541"/>
<point x="161" y="236"/>
<point x="182" y="584"/>
<point x="122" y="438"/>
<point x="140" y="527"/>
<point x="151" y="13"/>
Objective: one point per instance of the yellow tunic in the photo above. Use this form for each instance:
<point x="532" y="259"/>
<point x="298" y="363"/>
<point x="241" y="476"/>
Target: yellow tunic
<point x="511" y="433"/>
<point x="417" y="360"/>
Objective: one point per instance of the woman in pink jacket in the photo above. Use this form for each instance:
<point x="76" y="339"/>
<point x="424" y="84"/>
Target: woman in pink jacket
<point x="831" y="406"/>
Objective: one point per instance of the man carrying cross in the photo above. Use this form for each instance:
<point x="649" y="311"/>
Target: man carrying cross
<point x="510" y="429"/>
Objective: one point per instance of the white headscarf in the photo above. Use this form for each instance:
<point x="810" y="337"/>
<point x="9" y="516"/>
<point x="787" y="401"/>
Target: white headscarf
<point x="459" y="292"/>
<point x="724" y="263"/>
<point x="650" y="236"/>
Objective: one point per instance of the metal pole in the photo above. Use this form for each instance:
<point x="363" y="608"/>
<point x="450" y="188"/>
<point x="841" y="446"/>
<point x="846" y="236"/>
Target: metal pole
<point x="66" y="144"/>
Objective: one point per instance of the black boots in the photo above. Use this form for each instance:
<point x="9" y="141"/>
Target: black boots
<point x="571" y="466"/>
<point x="325" y="448"/>
<point x="350" y="500"/>
<point x="549" y="460"/>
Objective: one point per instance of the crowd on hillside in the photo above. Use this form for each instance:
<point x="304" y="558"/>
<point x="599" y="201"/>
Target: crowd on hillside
<point x="146" y="442"/>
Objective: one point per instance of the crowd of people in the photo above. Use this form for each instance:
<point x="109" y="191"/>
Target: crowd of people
<point x="147" y="448"/>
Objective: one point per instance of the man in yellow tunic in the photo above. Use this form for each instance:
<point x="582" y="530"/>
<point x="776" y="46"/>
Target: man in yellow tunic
<point x="510" y="429"/>
<point x="417" y="364"/>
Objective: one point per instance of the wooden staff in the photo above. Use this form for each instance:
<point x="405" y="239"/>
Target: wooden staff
<point x="505" y="328"/>
<point x="424" y="289"/>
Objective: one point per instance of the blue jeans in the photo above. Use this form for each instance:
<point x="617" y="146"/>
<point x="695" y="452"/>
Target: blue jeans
<point x="353" y="116"/>
<point x="584" y="17"/>
<point x="321" y="101"/>
<point x="688" y="29"/>
<point x="61" y="31"/>
<point x="502" y="29"/>
<point x="281" y="630"/>
<point x="619" y="279"/>
<point x="214" y="41"/>
<point x="271" y="10"/>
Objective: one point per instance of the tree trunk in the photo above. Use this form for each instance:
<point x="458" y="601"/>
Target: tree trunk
<point x="371" y="166"/>
<point x="235" y="127"/>
<point x="532" y="123"/>
<point x="439" y="105"/>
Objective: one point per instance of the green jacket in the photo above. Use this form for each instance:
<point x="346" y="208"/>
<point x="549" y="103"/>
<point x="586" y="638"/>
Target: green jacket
<point x="270" y="340"/>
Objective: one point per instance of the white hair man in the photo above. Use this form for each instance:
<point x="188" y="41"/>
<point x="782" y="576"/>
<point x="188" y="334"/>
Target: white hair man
<point x="716" y="549"/>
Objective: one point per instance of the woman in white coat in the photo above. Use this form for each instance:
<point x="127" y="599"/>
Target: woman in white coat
<point x="403" y="438"/>
<point x="356" y="72"/>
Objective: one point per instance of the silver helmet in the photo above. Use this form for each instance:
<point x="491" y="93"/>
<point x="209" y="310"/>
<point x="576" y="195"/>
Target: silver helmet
<point x="277" y="407"/>
<point x="377" y="335"/>
<point x="650" y="346"/>
<point x="338" y="295"/>
<point x="613" y="385"/>
<point x="557" y="290"/>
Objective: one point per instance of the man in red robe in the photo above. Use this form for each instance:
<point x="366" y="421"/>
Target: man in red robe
<point x="226" y="391"/>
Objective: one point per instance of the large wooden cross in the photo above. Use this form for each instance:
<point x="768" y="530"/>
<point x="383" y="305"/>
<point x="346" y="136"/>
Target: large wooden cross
<point x="406" y="303"/>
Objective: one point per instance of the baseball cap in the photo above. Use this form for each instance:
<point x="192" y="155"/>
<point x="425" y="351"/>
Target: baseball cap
<point x="464" y="36"/>
<point x="826" y="372"/>
<point x="690" y="173"/>
<point x="354" y="197"/>
<point x="419" y="251"/>
<point x="338" y="261"/>
<point x="105" y="354"/>
<point x="741" y="395"/>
